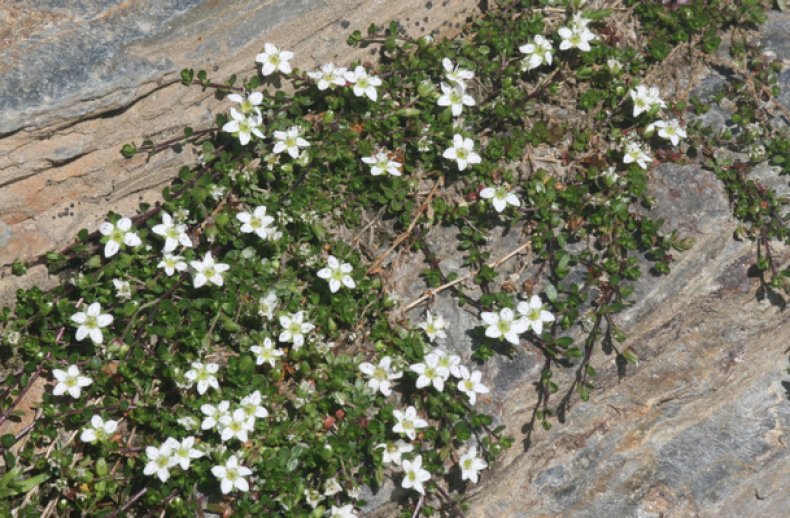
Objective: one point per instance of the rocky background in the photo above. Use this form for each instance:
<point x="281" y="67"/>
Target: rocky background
<point x="697" y="428"/>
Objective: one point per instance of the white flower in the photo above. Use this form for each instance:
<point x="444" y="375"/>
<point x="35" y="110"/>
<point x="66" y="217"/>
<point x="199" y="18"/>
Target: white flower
<point x="471" y="464"/>
<point x="289" y="141"/>
<point x="123" y="290"/>
<point x="347" y="511"/>
<point x="312" y="497"/>
<point x="257" y="222"/>
<point x="462" y="151"/>
<point x="380" y="163"/>
<point x="534" y="314"/>
<point x="455" y="74"/>
<point x="118" y="234"/>
<point x="160" y="460"/>
<point x="183" y="452"/>
<point x="252" y="405"/>
<point x="203" y="375"/>
<point x="634" y="153"/>
<point x="414" y="475"/>
<point x="329" y="75"/>
<point x="538" y="53"/>
<point x="576" y="37"/>
<point x="430" y="373"/>
<point x="236" y="424"/>
<point x="380" y="375"/>
<point x="614" y="66"/>
<point x="213" y="414"/>
<point x="337" y="274"/>
<point x="470" y="384"/>
<point x="645" y="99"/>
<point x="294" y="328"/>
<point x="172" y="263"/>
<point x="231" y="475"/>
<point x="448" y="362"/>
<point x="208" y="270"/>
<point x="501" y="197"/>
<point x="504" y="325"/>
<point x="670" y="130"/>
<point x="332" y="487"/>
<point x="244" y="126"/>
<point x="248" y="104"/>
<point x="99" y="430"/>
<point x="90" y="322"/>
<point x="578" y="21"/>
<point x="273" y="59"/>
<point x="266" y="353"/>
<point x="394" y="450"/>
<point x="433" y="326"/>
<point x="408" y="422"/>
<point x="188" y="422"/>
<point x="174" y="233"/>
<point x="363" y="83"/>
<point x="70" y="381"/>
<point x="267" y="305"/>
<point x="455" y="97"/>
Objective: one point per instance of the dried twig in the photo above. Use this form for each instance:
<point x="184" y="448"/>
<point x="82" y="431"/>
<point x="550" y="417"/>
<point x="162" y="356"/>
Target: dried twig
<point x="430" y="293"/>
<point x="375" y="268"/>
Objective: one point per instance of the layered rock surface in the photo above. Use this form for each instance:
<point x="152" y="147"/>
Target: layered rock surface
<point x="697" y="428"/>
<point x="80" y="79"/>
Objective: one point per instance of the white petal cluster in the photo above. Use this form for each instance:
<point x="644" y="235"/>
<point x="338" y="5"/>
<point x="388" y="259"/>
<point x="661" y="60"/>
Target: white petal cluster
<point x="99" y="430"/>
<point x="294" y="328"/>
<point x="173" y="233"/>
<point x="267" y="305"/>
<point x="118" y="233"/>
<point x="208" y="270"/>
<point x="70" y="381"/>
<point x="258" y="222"/>
<point x="534" y="313"/>
<point x="329" y="75"/>
<point x="392" y="451"/>
<point x="204" y="375"/>
<point x="577" y="35"/>
<point x="172" y="263"/>
<point x="414" y="475"/>
<point x="633" y="153"/>
<point x="337" y="274"/>
<point x="381" y="163"/>
<point x="363" y="84"/>
<point x="454" y="95"/>
<point x="471" y="465"/>
<point x="408" y="422"/>
<point x="272" y="60"/>
<point x="171" y="453"/>
<point x="537" y="53"/>
<point x="380" y="376"/>
<point x="123" y="290"/>
<point x="504" y="324"/>
<point x="462" y="151"/>
<point x="500" y="197"/>
<point x="434" y="326"/>
<point x="470" y="384"/>
<point x="289" y="141"/>
<point x="249" y="104"/>
<point x="670" y="130"/>
<point x="430" y="373"/>
<point x="90" y="323"/>
<point x="267" y="352"/>
<point x="455" y="74"/>
<point x="232" y="475"/>
<point x="244" y="126"/>
<point x="645" y="99"/>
